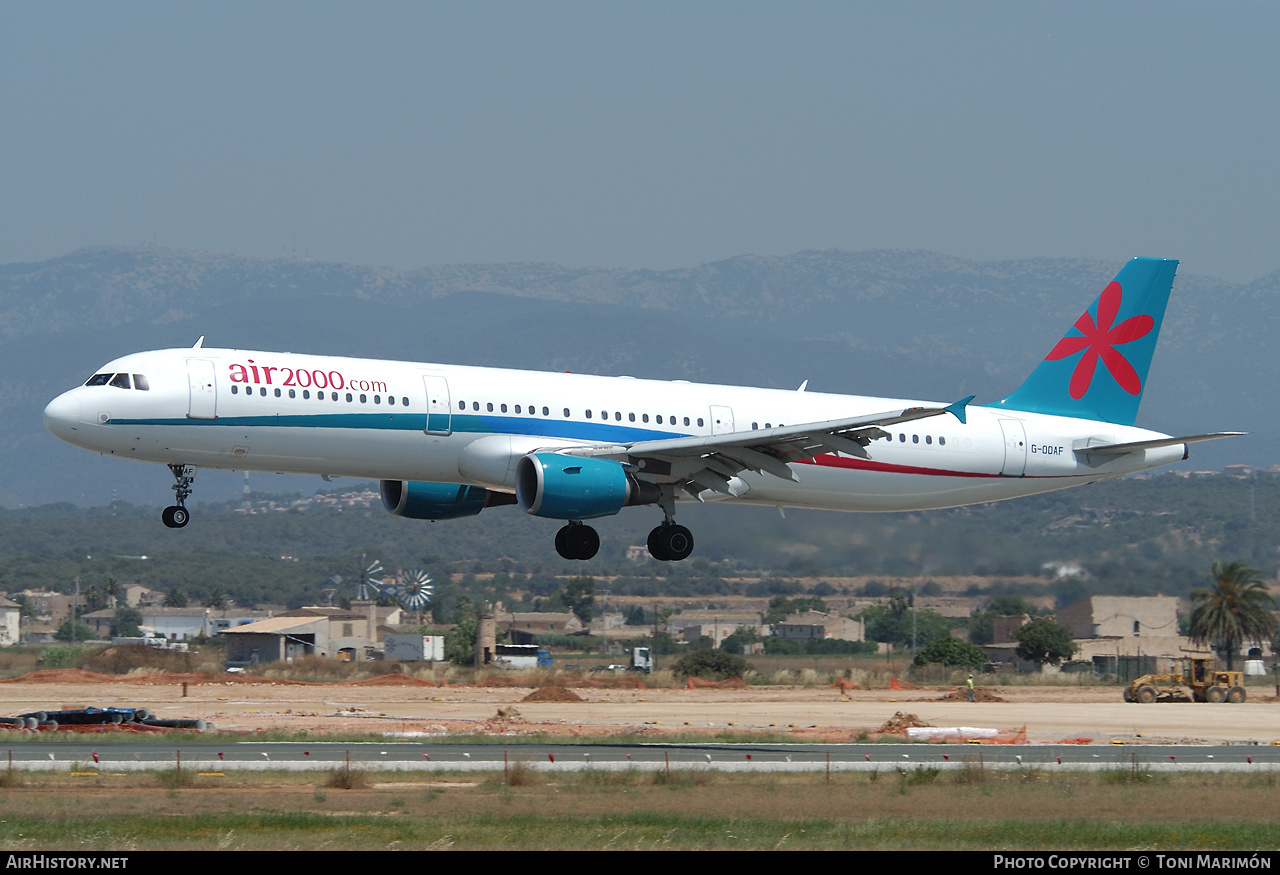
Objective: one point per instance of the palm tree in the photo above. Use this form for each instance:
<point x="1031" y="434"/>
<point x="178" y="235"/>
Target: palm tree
<point x="1236" y="609"/>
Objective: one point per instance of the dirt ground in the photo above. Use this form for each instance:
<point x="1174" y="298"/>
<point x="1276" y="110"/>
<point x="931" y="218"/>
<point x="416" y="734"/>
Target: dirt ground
<point x="1047" y="714"/>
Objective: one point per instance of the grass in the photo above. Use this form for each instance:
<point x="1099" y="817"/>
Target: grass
<point x="688" y="808"/>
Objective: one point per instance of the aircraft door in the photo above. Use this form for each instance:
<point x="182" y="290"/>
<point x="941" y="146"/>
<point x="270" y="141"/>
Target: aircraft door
<point x="204" y="391"/>
<point x="721" y="420"/>
<point x="1015" y="448"/>
<point x="439" y="407"/>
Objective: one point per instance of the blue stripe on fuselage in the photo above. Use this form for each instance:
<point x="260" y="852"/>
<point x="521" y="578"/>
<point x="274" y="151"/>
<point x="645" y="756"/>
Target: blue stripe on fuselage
<point x="461" y="423"/>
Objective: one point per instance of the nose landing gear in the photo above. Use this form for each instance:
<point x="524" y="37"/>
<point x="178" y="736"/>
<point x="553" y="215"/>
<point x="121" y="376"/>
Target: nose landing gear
<point x="177" y="516"/>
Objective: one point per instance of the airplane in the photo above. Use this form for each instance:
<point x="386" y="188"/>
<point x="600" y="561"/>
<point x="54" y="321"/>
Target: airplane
<point x="450" y="441"/>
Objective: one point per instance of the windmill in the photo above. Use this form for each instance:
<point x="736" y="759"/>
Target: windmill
<point x="369" y="586"/>
<point x="413" y="589"/>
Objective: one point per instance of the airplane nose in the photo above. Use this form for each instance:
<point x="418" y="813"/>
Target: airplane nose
<point x="62" y="416"/>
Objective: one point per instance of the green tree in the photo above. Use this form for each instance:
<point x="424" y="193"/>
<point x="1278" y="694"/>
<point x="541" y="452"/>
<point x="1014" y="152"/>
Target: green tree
<point x="460" y="642"/>
<point x="65" y="632"/>
<point x="739" y="638"/>
<point x="125" y="622"/>
<point x="111" y="588"/>
<point x="712" y="665"/>
<point x="886" y="625"/>
<point x="175" y="598"/>
<point x="1044" y="640"/>
<point x="94" y="599"/>
<point x="982" y="623"/>
<point x="578" y="595"/>
<point x="952" y="651"/>
<point x="1234" y="610"/>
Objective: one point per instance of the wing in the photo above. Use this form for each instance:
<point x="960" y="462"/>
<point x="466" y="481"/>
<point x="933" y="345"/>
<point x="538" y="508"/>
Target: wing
<point x="708" y="462"/>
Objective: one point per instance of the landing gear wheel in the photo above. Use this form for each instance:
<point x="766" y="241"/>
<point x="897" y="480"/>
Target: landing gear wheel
<point x="1216" y="694"/>
<point x="176" y="516"/>
<point x="576" y="541"/>
<point x="670" y="543"/>
<point x="1236" y="695"/>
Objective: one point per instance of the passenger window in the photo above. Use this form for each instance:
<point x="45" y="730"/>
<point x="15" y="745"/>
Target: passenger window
<point x="293" y="394"/>
<point x="404" y="402"/>
<point x="120" y="381"/>
<point x="755" y="426"/>
<point x="363" y="399"/>
<point x="588" y="414"/>
<point x="928" y="439"/>
<point x="644" y="417"/>
<point x="462" y="405"/>
<point x="566" y="413"/>
<point x="335" y="396"/>
<point x="504" y="408"/>
<point x="263" y="392"/>
<point x="617" y="416"/>
<point x="902" y="438"/>
<point x="699" y="422"/>
<point x="686" y="420"/>
<point x="306" y="394"/>
<point x="235" y="390"/>
<point x="99" y="380"/>
<point x="277" y="393"/>
<point x="942" y="442"/>
<point x="391" y="399"/>
<point x="658" y="419"/>
<point x="141" y="382"/>
<point x="915" y="439"/>
<point x="489" y="407"/>
<point x="631" y="417"/>
<point x="475" y="405"/>
<point x="517" y="408"/>
<point x="546" y="411"/>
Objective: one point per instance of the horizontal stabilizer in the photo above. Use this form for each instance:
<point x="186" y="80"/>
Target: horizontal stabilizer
<point x="1136" y="446"/>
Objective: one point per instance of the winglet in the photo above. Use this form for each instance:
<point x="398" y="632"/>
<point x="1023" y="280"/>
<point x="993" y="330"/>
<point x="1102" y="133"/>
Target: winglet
<point x="199" y="343"/>
<point x="957" y="409"/>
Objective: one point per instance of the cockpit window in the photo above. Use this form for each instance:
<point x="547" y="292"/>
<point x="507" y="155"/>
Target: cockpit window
<point x="140" y="382"/>
<point x="99" y="380"/>
<point x="120" y="381"/>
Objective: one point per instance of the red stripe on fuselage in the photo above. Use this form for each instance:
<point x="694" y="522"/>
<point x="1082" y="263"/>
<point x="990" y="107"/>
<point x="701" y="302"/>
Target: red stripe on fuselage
<point x="855" y="464"/>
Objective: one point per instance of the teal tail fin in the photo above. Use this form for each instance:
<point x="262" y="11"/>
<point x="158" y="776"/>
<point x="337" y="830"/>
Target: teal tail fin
<point x="1099" y="368"/>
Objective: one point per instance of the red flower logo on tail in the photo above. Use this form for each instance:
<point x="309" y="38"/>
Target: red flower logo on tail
<point x="1100" y="342"/>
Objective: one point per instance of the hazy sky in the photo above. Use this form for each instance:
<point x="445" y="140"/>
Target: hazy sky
<point x="643" y="134"/>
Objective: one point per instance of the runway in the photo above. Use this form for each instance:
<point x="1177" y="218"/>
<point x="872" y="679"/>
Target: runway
<point x="401" y="756"/>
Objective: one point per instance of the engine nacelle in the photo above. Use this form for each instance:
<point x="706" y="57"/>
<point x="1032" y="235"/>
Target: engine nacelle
<point x="576" y="488"/>
<point x="433" y="501"/>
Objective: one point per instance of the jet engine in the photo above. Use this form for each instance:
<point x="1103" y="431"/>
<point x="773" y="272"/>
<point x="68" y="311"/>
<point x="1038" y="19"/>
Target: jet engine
<point x="575" y="488"/>
<point x="437" y="501"/>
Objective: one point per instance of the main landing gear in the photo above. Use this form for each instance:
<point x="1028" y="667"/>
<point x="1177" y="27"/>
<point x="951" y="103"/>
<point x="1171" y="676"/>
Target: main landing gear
<point x="177" y="516"/>
<point x="670" y="542"/>
<point x="576" y="541"/>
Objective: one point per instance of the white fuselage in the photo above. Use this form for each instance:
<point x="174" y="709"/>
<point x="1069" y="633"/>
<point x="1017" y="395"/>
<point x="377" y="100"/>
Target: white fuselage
<point x="305" y="414"/>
